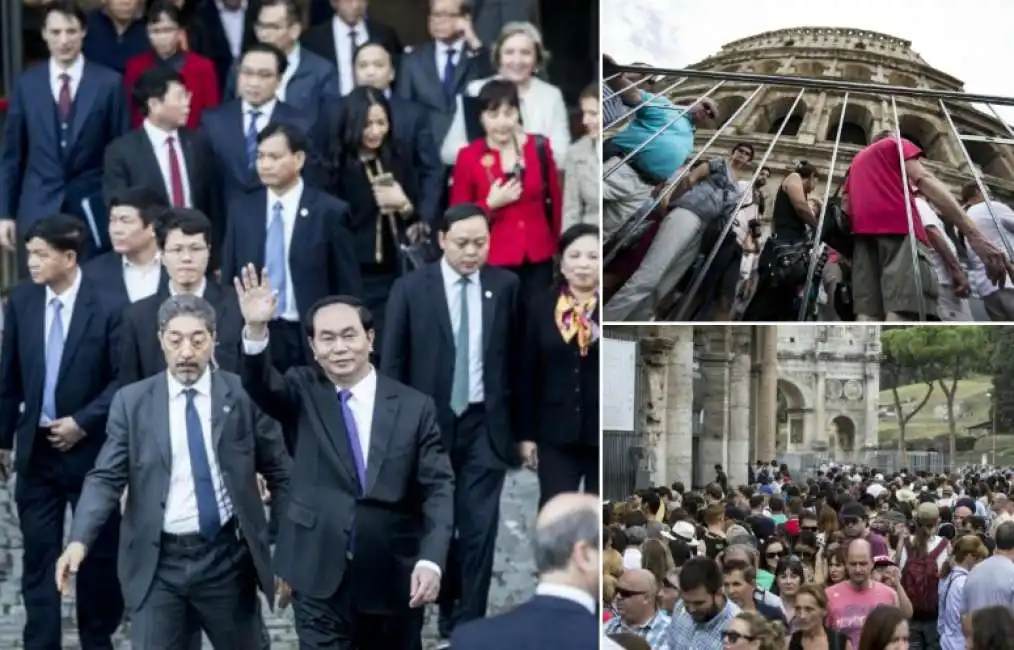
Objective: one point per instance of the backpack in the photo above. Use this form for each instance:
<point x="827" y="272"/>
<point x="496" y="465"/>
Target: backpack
<point x="920" y="579"/>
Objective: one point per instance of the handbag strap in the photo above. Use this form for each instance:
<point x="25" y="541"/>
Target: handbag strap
<point x="841" y="185"/>
<point x="542" y="151"/>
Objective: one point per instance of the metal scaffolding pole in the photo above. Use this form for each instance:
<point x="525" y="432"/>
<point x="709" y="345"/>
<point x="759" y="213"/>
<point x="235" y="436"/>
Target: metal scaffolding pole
<point x="906" y="193"/>
<point x="678" y="83"/>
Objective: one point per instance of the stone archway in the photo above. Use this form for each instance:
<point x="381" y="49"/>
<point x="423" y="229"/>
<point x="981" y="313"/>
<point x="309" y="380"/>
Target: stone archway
<point x="844" y="438"/>
<point x="791" y="414"/>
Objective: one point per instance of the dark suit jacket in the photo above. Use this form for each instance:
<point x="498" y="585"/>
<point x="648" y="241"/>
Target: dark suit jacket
<point x="311" y="89"/>
<point x="223" y="130"/>
<point x="320" y="40"/>
<point x="419" y="81"/>
<point x="418" y="348"/>
<point x="542" y="623"/>
<point x="142" y="357"/>
<point x="106" y="271"/>
<point x="131" y="161"/>
<point x="211" y="41"/>
<point x="37" y="179"/>
<point x="321" y="258"/>
<point x="87" y="377"/>
<point x="407" y="511"/>
<point x="137" y="456"/>
<point x="559" y="397"/>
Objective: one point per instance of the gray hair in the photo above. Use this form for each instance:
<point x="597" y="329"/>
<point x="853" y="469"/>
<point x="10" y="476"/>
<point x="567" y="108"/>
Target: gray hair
<point x="554" y="542"/>
<point x="186" y="305"/>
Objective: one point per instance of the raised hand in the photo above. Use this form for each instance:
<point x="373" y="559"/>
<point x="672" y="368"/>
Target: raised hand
<point x="258" y="302"/>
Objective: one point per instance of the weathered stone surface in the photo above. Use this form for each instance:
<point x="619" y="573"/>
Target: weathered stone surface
<point x="513" y="571"/>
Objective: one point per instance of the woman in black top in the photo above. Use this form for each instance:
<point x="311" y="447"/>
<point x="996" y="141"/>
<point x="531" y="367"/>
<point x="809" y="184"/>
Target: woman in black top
<point x="810" y="633"/>
<point x="792" y="219"/>
<point x="374" y="175"/>
<point x="560" y="371"/>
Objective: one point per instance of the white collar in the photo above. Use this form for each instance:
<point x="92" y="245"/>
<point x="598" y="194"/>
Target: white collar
<point x="202" y="385"/>
<point x="158" y="134"/>
<point x="456" y="46"/>
<point x="338" y="23"/>
<point x="566" y="592"/>
<point x="69" y="296"/>
<point x="155" y="261"/>
<point x="287" y="199"/>
<point x="451" y="276"/>
<point x="199" y="292"/>
<point x="266" y="109"/>
<point x="366" y="386"/>
<point x="75" y="70"/>
<point x="226" y="10"/>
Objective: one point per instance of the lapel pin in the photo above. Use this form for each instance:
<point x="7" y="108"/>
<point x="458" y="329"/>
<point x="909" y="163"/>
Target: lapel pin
<point x="489" y="294"/>
<point x="303" y="212"/>
<point x="227" y="408"/>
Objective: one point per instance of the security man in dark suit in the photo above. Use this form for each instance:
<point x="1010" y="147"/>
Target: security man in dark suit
<point x="367" y="529"/>
<point x="452" y="332"/>
<point x="562" y="614"/>
<point x="184" y="239"/>
<point x="58" y="360"/>
<point x="188" y="445"/>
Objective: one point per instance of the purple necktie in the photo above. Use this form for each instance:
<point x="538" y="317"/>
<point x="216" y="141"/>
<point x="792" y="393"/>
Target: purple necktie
<point x="353" y="433"/>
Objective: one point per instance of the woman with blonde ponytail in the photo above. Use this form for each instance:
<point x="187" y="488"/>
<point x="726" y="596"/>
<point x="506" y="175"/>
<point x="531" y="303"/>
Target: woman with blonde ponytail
<point x="751" y="631"/>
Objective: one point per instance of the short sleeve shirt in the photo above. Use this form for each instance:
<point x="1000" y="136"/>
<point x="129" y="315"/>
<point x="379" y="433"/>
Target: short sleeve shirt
<point x="874" y="187"/>
<point x="848" y="608"/>
<point x="666" y="153"/>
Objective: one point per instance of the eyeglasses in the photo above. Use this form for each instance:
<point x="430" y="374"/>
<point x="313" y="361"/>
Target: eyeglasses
<point x="774" y="555"/>
<point x="192" y="251"/>
<point x="627" y="593"/>
<point x="732" y="636"/>
<point x="669" y="584"/>
<point x="806" y="554"/>
<point x="811" y="529"/>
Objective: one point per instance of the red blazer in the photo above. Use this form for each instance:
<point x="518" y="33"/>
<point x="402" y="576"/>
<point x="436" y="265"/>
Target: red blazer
<point x="199" y="77"/>
<point x="521" y="231"/>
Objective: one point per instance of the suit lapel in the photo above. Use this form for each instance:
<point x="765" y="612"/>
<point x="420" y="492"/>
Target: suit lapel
<point x="190" y="162"/>
<point x="158" y="409"/>
<point x="460" y="70"/>
<point x="80" y="320"/>
<point x="221" y="406"/>
<point x="438" y="298"/>
<point x="37" y="311"/>
<point x="149" y="158"/>
<point x="334" y="437"/>
<point x="385" y="416"/>
<point x="489" y="300"/>
<point x="87" y="91"/>
<point x="301" y="227"/>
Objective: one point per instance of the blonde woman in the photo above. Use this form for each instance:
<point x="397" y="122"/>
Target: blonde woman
<point x="518" y="56"/>
<point x="751" y="631"/>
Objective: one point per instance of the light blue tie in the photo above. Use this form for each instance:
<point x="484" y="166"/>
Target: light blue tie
<point x="251" y="138"/>
<point x="274" y="255"/>
<point x="459" y="384"/>
<point x="54" y="353"/>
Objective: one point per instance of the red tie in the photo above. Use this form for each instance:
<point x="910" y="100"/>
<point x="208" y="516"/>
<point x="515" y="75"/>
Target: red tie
<point x="64" y="100"/>
<point x="175" y="175"/>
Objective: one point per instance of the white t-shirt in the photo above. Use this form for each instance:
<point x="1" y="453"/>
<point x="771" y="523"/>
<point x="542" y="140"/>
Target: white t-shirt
<point x="979" y="214"/>
<point x="930" y="545"/>
<point x="930" y="219"/>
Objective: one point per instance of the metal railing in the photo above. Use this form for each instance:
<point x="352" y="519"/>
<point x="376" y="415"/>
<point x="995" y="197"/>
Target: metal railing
<point x="625" y="235"/>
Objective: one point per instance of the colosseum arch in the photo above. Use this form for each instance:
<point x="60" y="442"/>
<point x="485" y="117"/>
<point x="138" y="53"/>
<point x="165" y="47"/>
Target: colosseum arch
<point x="857" y="127"/>
<point x="768" y="67"/>
<point x="729" y="105"/>
<point x="856" y="72"/>
<point x="920" y="131"/>
<point x="777" y="111"/>
<point x="811" y="69"/>
<point x="987" y="158"/>
<point x="901" y="79"/>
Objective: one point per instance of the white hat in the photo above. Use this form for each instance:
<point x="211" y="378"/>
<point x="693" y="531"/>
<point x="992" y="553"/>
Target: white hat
<point x="685" y="531"/>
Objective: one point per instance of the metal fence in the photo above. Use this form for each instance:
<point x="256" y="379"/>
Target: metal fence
<point x="806" y="464"/>
<point x="635" y="227"/>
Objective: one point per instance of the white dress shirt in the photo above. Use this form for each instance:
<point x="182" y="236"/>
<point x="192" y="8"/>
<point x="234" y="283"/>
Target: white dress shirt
<point x="199" y="292"/>
<point x="343" y="51"/>
<point x="441" y="55"/>
<point x="181" y="503"/>
<point x="75" y="71"/>
<point x="476" y="390"/>
<point x="67" y="298"/>
<point x="266" y="111"/>
<point x="234" y="25"/>
<point x="141" y="280"/>
<point x="290" y="71"/>
<point x="290" y="209"/>
<point x="566" y="592"/>
<point x="159" y="139"/>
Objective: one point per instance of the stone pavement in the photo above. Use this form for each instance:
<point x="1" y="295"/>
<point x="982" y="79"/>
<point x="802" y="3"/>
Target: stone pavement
<point x="513" y="571"/>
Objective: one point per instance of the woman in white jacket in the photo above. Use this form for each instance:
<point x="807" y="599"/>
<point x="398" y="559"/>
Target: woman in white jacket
<point x="518" y="56"/>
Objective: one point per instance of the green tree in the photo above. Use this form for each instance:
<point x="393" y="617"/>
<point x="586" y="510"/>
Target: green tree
<point x="901" y="364"/>
<point x="1003" y="377"/>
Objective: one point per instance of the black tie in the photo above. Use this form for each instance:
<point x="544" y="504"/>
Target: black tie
<point x="352" y="43"/>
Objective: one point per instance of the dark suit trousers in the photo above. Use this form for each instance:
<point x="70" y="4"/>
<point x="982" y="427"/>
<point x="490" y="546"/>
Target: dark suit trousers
<point x="336" y="623"/>
<point x="210" y="584"/>
<point x="564" y="468"/>
<point x="478" y="482"/>
<point x="42" y="494"/>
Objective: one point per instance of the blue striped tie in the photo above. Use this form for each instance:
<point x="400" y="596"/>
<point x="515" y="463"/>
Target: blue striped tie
<point x="54" y="354"/>
<point x="274" y="255"/>
<point x="251" y="138"/>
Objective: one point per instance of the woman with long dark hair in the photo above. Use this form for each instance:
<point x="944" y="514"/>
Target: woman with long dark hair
<point x="992" y="628"/>
<point x="560" y="363"/>
<point x="371" y="172"/>
<point x="886" y="628"/>
<point x="512" y="173"/>
<point x="790" y="574"/>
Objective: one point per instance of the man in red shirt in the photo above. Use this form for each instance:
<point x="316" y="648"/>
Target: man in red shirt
<point x="883" y="275"/>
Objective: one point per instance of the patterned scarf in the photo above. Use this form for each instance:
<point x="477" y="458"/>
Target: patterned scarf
<point x="574" y="318"/>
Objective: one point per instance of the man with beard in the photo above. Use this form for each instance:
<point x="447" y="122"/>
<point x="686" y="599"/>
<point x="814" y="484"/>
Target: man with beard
<point x="698" y="621"/>
<point x="850" y="602"/>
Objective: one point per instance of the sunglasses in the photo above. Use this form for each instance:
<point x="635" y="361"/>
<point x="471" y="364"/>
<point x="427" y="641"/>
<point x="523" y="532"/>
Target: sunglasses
<point x="627" y="593"/>
<point x="811" y="529"/>
<point x="806" y="554"/>
<point x="772" y="555"/>
<point x="731" y="636"/>
<point x="669" y="584"/>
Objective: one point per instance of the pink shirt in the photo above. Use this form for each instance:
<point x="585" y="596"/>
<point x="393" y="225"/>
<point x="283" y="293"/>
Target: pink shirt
<point x="847" y="608"/>
<point x="876" y="201"/>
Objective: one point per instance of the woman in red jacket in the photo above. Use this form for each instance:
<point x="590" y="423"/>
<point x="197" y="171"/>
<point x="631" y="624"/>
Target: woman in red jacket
<point x="166" y="35"/>
<point x="513" y="175"/>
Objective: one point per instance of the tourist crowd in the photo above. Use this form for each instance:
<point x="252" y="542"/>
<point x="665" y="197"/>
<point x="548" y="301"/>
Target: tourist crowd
<point x="846" y="558"/>
<point x="242" y="205"/>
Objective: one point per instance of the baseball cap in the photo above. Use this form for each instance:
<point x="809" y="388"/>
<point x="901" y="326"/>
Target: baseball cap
<point x="927" y="512"/>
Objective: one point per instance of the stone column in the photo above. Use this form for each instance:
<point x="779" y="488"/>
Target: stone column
<point x="767" y="398"/>
<point x="715" y="366"/>
<point x="679" y="430"/>
<point x="819" y="431"/>
<point x="655" y="348"/>
<point x="871" y="394"/>
<point x="811" y="130"/>
<point x="739" y="407"/>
